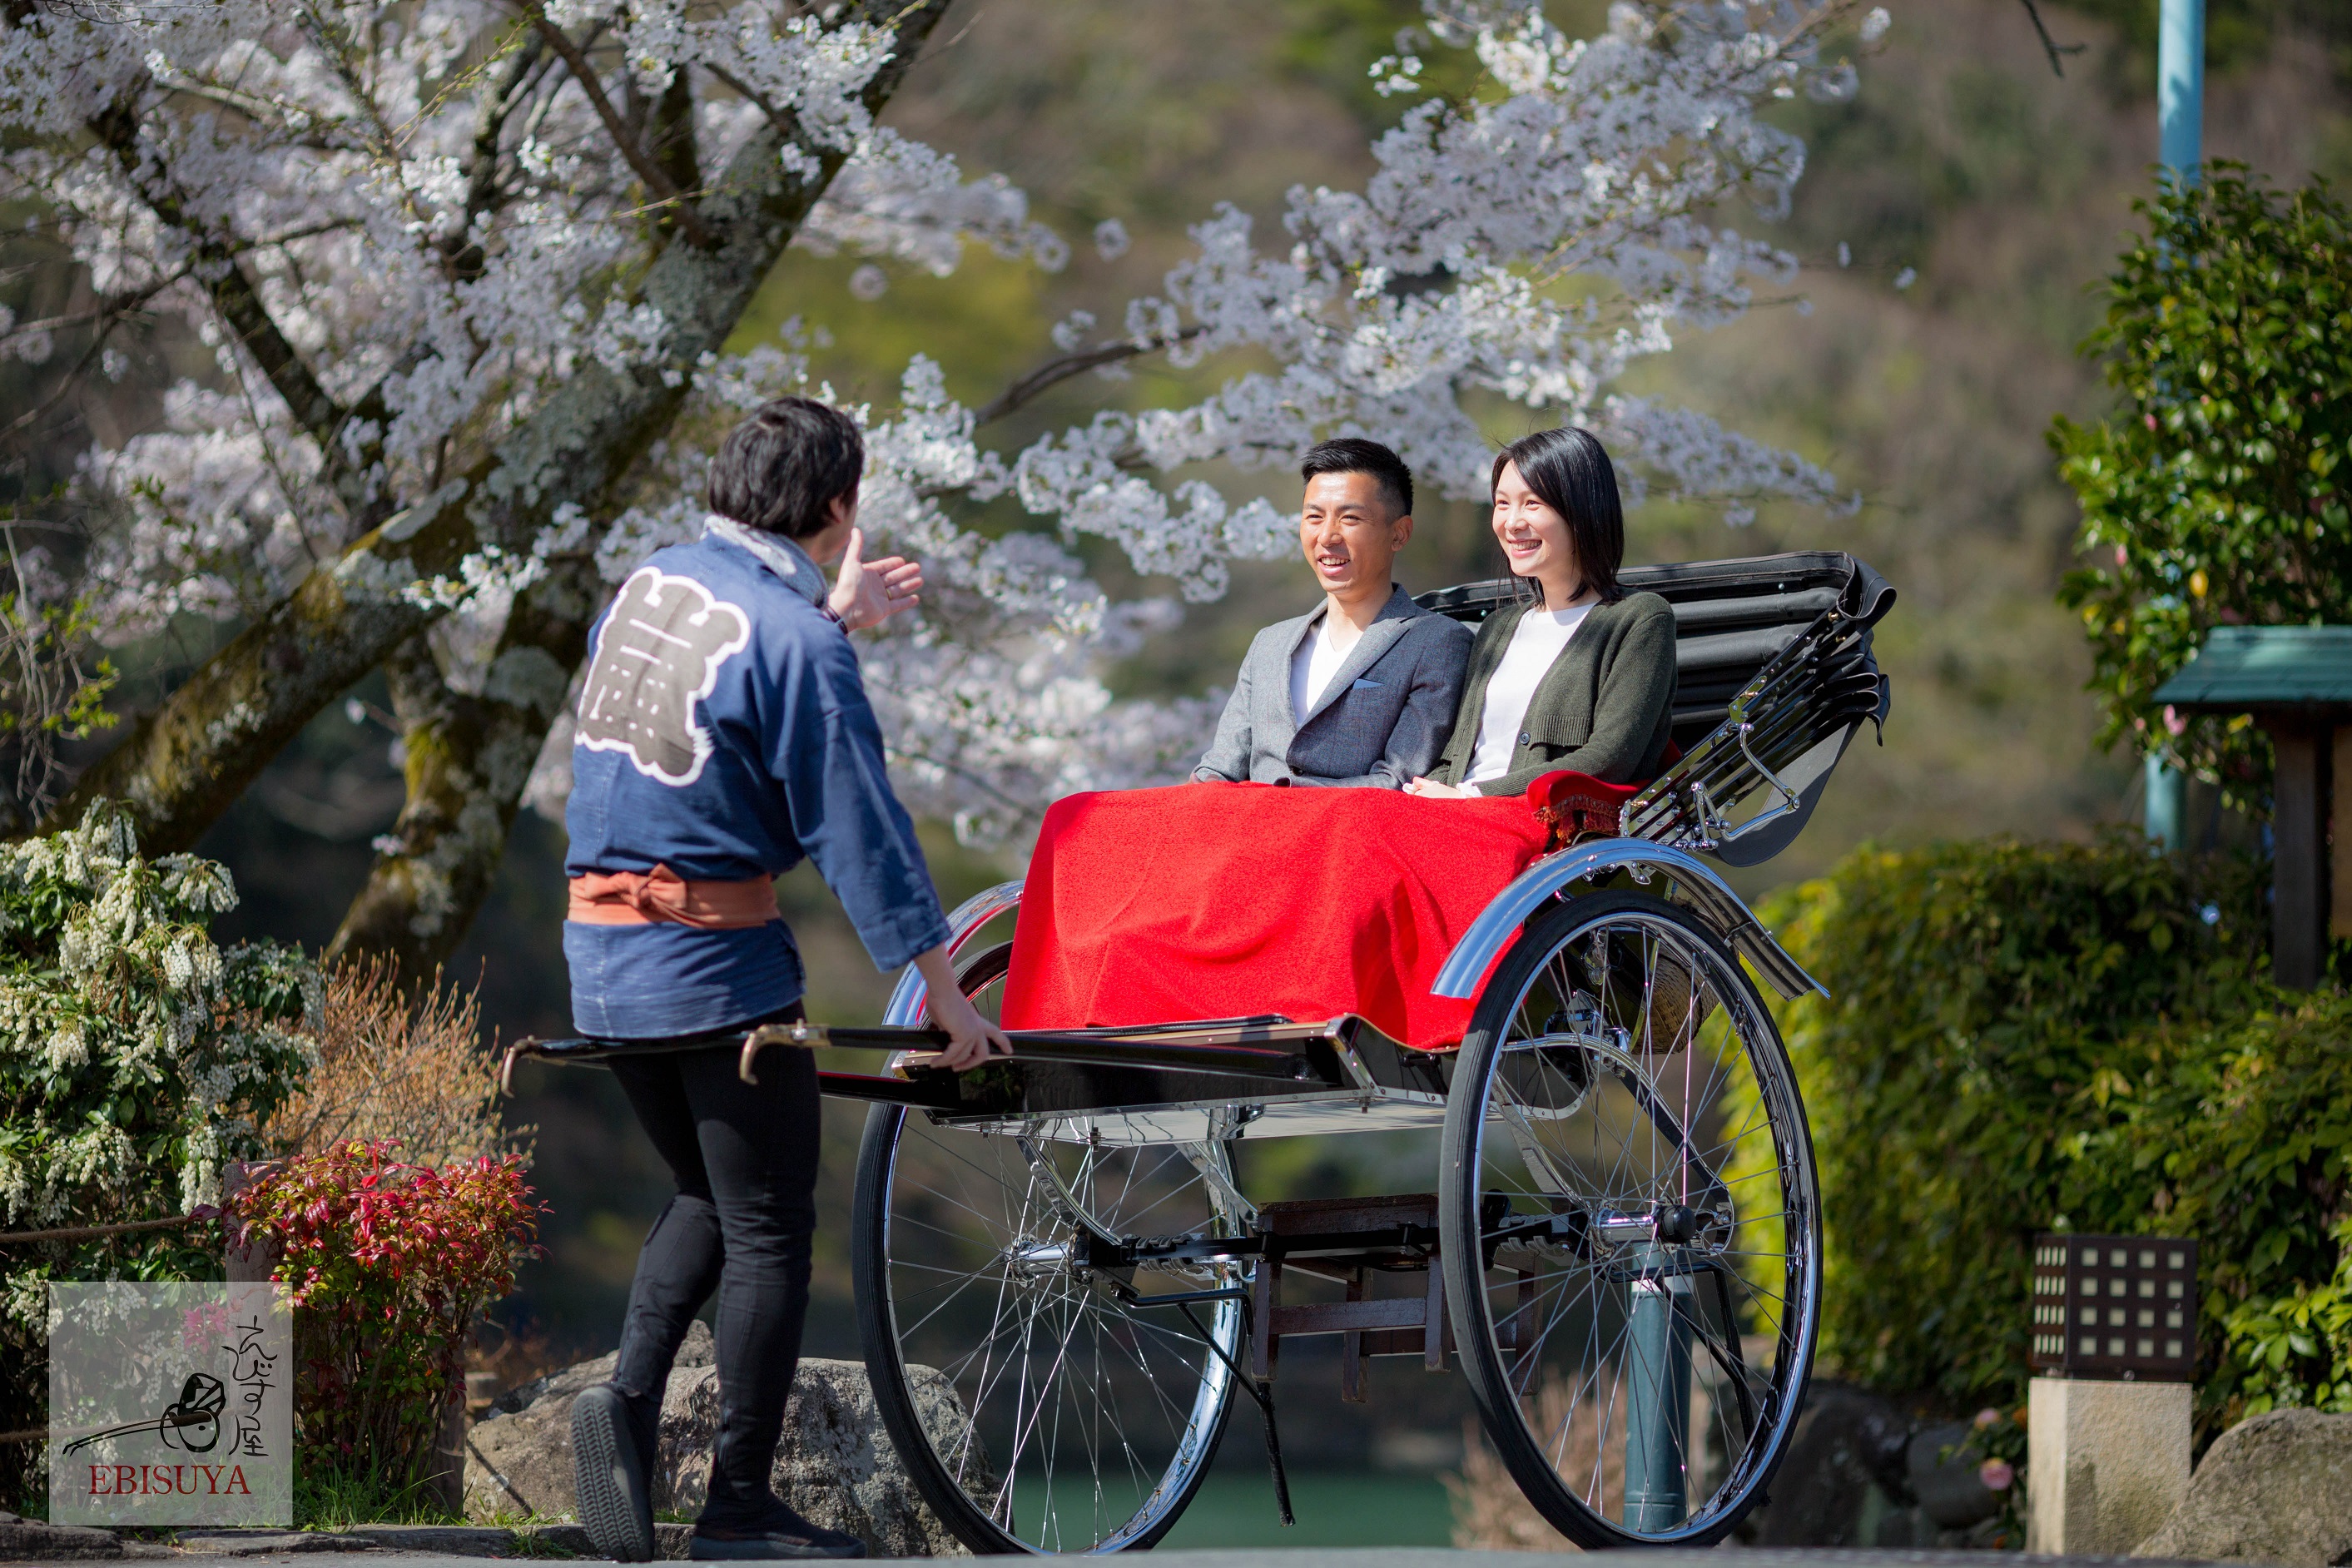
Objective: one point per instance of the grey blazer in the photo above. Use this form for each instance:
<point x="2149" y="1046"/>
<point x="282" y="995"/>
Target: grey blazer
<point x="1380" y="722"/>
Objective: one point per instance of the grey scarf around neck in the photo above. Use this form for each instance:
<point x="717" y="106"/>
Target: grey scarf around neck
<point x="776" y="552"/>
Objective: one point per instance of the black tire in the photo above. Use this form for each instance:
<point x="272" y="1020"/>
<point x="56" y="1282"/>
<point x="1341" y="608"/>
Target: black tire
<point x="1131" y="1435"/>
<point x="1629" y="1223"/>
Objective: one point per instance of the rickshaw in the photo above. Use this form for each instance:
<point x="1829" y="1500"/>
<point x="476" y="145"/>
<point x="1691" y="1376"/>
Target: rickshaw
<point x="1063" y="1288"/>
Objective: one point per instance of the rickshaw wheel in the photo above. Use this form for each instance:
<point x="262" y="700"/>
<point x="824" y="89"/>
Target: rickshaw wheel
<point x="1037" y="1405"/>
<point x="1629" y="1225"/>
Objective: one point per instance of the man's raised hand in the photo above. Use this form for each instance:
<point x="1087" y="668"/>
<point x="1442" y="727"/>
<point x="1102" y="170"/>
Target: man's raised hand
<point x="866" y="593"/>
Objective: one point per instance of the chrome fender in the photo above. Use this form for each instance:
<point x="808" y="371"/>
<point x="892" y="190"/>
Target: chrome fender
<point x="1696" y="887"/>
<point x="907" y="1001"/>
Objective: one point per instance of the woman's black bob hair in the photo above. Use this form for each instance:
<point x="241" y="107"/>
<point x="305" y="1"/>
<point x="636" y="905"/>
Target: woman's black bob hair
<point x="1570" y="471"/>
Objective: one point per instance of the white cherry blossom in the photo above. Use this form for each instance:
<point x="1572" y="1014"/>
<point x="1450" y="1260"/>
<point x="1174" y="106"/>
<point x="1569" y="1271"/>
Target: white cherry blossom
<point x="1526" y="247"/>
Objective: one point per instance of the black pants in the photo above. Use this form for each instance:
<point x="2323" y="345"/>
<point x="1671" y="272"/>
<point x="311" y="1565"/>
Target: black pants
<point x="745" y="1157"/>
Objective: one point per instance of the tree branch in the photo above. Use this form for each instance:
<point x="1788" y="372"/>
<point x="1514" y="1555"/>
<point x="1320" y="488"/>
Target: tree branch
<point x="744" y="90"/>
<point x="651" y="172"/>
<point x="673" y="134"/>
<point x="112" y="306"/>
<point x="262" y="113"/>
<point x="1054" y="371"/>
<point x="232" y="292"/>
<point x="60" y="392"/>
<point x="463" y="251"/>
<point x="2050" y="46"/>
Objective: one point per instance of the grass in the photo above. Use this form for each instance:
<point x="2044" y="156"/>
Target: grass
<point x="334" y="1500"/>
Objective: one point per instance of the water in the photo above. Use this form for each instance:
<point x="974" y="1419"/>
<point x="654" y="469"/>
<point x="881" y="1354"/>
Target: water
<point x="1334" y="1508"/>
<point x="1234" y="1508"/>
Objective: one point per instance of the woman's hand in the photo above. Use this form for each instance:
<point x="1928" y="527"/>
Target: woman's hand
<point x="1430" y="789"/>
<point x="971" y="1040"/>
<point x="867" y="592"/>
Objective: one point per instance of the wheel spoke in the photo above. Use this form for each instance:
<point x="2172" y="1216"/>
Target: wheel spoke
<point x="1084" y="1424"/>
<point x="1656" y="1130"/>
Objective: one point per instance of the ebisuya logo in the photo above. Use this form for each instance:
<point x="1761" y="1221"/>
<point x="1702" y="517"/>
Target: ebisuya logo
<point x="170" y="1404"/>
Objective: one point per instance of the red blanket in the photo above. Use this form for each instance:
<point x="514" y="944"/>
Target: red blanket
<point x="1219" y="901"/>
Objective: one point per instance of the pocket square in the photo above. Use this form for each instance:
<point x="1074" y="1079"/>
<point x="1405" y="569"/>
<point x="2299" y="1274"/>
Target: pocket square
<point x="1365" y="686"/>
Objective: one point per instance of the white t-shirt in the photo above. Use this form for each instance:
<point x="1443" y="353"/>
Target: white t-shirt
<point x="1315" y="662"/>
<point x="1540" y="637"/>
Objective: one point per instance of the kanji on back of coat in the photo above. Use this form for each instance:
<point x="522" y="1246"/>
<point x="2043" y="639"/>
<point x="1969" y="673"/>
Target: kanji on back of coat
<point x="657" y="655"/>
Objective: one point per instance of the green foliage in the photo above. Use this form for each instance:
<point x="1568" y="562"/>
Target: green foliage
<point x="2030" y="1036"/>
<point x="2215" y="493"/>
<point x="135" y="1059"/>
<point x="2297" y="1350"/>
<point x="1985" y="999"/>
<point x="2238" y="1133"/>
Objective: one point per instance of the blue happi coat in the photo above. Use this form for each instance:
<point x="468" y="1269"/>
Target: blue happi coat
<point x="723" y="732"/>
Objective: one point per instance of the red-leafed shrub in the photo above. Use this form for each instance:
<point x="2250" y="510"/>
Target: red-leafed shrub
<point x="387" y="1265"/>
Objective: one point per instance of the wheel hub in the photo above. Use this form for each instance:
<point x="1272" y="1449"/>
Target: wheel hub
<point x="1034" y="1259"/>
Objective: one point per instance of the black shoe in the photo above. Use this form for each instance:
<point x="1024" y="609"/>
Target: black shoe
<point x="608" y="1472"/>
<point x="778" y="1533"/>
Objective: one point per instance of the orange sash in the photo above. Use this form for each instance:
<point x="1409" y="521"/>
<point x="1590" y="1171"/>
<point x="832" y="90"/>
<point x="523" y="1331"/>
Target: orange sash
<point x="661" y="894"/>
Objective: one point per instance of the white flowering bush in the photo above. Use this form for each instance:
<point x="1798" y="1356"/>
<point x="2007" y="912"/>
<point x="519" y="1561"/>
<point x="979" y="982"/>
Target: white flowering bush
<point x="470" y="272"/>
<point x="136" y="1058"/>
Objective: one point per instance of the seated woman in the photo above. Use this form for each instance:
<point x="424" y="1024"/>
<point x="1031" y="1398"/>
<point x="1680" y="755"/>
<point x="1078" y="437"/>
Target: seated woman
<point x="1579" y="674"/>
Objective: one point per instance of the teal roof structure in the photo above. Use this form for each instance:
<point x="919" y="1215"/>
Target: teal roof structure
<point x="2244" y="668"/>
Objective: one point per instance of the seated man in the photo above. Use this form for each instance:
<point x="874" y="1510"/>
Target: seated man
<point x="1361" y="689"/>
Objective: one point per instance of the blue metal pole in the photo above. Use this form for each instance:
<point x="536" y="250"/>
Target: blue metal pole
<point x="2167" y="803"/>
<point x="2180" y="87"/>
<point x="2180" y="122"/>
<point x="1657" y="1399"/>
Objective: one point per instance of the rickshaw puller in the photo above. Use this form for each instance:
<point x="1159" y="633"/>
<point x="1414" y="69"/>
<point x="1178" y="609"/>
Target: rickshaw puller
<point x="723" y="735"/>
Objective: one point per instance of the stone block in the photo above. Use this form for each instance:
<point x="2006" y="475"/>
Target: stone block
<point x="2107" y="1463"/>
<point x="257" y="1543"/>
<point x="28" y="1540"/>
<point x="441" y="1539"/>
<point x="2276" y="1489"/>
<point x="835" y="1463"/>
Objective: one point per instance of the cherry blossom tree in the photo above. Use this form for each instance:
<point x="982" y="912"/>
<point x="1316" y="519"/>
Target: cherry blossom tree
<point x="466" y="269"/>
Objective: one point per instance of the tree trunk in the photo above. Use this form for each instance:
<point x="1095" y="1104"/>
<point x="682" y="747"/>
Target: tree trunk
<point x="182" y="765"/>
<point x="468" y="760"/>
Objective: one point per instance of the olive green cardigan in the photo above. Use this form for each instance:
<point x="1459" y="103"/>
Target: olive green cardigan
<point x="1604" y="707"/>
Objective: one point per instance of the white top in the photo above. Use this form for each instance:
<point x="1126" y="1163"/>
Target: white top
<point x="1541" y="637"/>
<point x="1316" y="661"/>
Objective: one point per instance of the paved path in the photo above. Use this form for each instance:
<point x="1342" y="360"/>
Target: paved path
<point x="1361" y="1557"/>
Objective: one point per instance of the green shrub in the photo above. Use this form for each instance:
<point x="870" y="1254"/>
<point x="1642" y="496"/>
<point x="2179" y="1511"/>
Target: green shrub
<point x="388" y="1266"/>
<point x="135" y="1057"/>
<point x="1979" y="1069"/>
<point x="2215" y="492"/>
<point x="2239" y="1132"/>
<point x="2297" y="1350"/>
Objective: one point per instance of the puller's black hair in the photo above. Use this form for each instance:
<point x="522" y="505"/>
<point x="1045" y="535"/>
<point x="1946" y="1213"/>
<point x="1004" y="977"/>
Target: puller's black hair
<point x="782" y="469"/>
